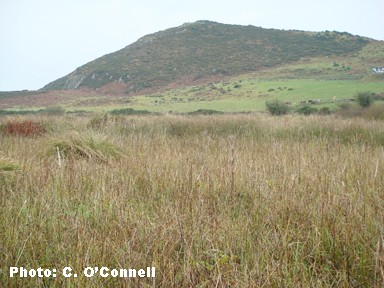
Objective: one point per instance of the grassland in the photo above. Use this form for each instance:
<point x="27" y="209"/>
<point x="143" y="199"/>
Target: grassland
<point x="308" y="78"/>
<point x="210" y="201"/>
<point x="250" y="95"/>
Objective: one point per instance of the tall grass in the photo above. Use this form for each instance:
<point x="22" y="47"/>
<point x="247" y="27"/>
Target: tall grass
<point x="7" y="164"/>
<point x="87" y="145"/>
<point x="210" y="201"/>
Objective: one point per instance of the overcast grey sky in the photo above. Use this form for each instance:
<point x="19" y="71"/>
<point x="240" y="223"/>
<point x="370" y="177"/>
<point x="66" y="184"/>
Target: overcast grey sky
<point x="43" y="40"/>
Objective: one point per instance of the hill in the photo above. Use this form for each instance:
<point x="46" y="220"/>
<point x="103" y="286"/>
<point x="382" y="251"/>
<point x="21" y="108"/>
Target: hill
<point x="207" y="65"/>
<point x="196" y="53"/>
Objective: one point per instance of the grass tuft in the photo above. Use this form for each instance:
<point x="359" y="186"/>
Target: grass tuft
<point x="89" y="145"/>
<point x="7" y="164"/>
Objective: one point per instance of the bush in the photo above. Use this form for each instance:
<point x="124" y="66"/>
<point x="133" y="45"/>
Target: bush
<point x="25" y="128"/>
<point x="98" y="121"/>
<point x="347" y="110"/>
<point x="325" y="111"/>
<point x="364" y="99"/>
<point x="307" y="110"/>
<point x="277" y="107"/>
<point x="54" y="110"/>
<point x="129" y="111"/>
<point x="205" y="112"/>
<point x="375" y="112"/>
<point x="378" y="97"/>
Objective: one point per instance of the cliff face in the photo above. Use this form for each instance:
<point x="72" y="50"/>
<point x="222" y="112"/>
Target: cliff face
<point x="203" y="50"/>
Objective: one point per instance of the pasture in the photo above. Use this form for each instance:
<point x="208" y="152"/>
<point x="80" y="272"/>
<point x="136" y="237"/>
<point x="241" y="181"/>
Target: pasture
<point x="210" y="201"/>
<point x="252" y="94"/>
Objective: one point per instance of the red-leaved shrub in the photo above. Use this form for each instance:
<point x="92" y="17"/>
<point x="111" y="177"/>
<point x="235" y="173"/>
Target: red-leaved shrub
<point x="25" y="128"/>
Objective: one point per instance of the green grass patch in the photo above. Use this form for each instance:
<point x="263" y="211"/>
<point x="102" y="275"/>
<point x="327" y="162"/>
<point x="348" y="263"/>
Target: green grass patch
<point x="8" y="164"/>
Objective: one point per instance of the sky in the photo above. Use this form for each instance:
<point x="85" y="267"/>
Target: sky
<point x="43" y="40"/>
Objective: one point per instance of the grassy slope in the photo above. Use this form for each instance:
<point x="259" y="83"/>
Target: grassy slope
<point x="310" y="78"/>
<point x="204" y="49"/>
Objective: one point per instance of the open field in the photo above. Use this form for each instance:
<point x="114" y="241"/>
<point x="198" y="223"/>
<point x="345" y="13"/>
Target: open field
<point x="210" y="201"/>
<point x="250" y="95"/>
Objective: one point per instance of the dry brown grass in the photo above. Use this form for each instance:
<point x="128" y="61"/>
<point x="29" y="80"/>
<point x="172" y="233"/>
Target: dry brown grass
<point x="210" y="201"/>
<point x="23" y="128"/>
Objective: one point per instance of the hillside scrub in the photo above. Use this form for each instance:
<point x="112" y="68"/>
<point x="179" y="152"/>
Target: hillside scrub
<point x="23" y="128"/>
<point x="245" y="200"/>
<point x="364" y="99"/>
<point x="307" y="110"/>
<point x="205" y="112"/>
<point x="54" y="110"/>
<point x="277" y="107"/>
<point x="375" y="112"/>
<point x="195" y="49"/>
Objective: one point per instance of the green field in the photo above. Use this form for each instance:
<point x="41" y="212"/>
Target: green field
<point x="251" y="95"/>
<point x="309" y="78"/>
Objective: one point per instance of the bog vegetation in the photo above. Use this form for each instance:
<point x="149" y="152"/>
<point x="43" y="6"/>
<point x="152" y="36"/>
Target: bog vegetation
<point x="246" y="200"/>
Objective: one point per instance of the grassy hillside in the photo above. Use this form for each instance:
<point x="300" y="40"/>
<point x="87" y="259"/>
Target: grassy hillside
<point x="321" y="77"/>
<point x="204" y="49"/>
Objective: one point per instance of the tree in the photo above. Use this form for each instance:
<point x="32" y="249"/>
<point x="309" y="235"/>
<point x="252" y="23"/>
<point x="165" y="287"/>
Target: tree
<point x="277" y="107"/>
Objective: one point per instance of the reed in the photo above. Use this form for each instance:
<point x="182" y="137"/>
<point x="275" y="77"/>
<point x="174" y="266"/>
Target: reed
<point x="210" y="201"/>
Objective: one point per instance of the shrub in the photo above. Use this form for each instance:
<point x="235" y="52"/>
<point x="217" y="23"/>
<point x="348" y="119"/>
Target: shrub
<point x="72" y="143"/>
<point x="98" y="121"/>
<point x="205" y="112"/>
<point x="25" y="128"/>
<point x="347" y="110"/>
<point x="378" y="97"/>
<point x="54" y="110"/>
<point x="325" y="111"/>
<point x="307" y="110"/>
<point x="129" y="111"/>
<point x="277" y="107"/>
<point x="364" y="99"/>
<point x="375" y="112"/>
